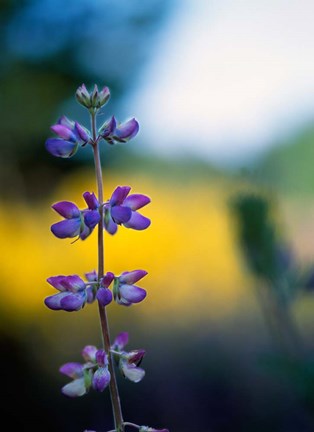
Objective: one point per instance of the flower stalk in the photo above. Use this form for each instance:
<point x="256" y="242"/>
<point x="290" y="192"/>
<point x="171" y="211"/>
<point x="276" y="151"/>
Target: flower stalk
<point x="114" y="392"/>
<point x="98" y="370"/>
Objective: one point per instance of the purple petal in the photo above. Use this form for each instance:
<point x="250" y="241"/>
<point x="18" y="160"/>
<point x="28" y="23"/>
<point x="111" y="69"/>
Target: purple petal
<point x="101" y="358"/>
<point x="61" y="148"/>
<point x="81" y="132"/>
<point x="127" y="130"/>
<point x="132" y="277"/>
<point x="89" y="353"/>
<point x="73" y="302"/>
<point x="104" y="96"/>
<point x="132" y="293"/>
<point x="119" y="195"/>
<point x="91" y="218"/>
<point x="136" y="201"/>
<point x="121" y="340"/>
<point x="67" y="228"/>
<point x="109" y="225"/>
<point x="101" y="379"/>
<point x="73" y="370"/>
<point x="54" y="302"/>
<point x="137" y="221"/>
<point x="108" y="127"/>
<point x="63" y="120"/>
<point x="136" y="356"/>
<point x="75" y="388"/>
<point x="107" y="279"/>
<point x="91" y="276"/>
<point x="73" y="283"/>
<point x="104" y="296"/>
<point x="91" y="200"/>
<point x="121" y="214"/>
<point x="85" y="232"/>
<point x="90" y="294"/>
<point x="131" y="372"/>
<point x="64" y="132"/>
<point x="67" y="209"/>
<point x="57" y="282"/>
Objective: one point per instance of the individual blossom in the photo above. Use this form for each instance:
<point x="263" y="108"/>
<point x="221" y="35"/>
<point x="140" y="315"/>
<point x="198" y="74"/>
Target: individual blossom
<point x="129" y="365"/>
<point x="70" y="136"/>
<point x="73" y="295"/>
<point x="122" y="208"/>
<point x="93" y="373"/>
<point x="114" y="132"/>
<point x="128" y="361"/>
<point x="104" y="295"/>
<point x="124" y="292"/>
<point x="77" y="222"/>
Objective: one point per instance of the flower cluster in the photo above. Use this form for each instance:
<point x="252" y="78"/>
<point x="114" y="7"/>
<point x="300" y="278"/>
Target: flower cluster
<point x="74" y="292"/>
<point x="71" y="135"/>
<point x="93" y="373"/>
<point x="120" y="209"/>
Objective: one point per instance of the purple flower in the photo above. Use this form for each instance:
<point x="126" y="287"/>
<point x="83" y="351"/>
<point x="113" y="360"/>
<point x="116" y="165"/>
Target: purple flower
<point x="81" y="379"/>
<point x="128" y="361"/>
<point x="124" y="292"/>
<point x="73" y="295"/>
<point x="113" y="132"/>
<point x="93" y="373"/>
<point x="70" y="136"/>
<point x="128" y="365"/>
<point x="121" y="210"/>
<point x="104" y="295"/>
<point x="77" y="222"/>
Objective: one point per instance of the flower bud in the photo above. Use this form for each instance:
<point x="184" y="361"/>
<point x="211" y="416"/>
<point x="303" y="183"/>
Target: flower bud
<point x="83" y="96"/>
<point x="104" y="96"/>
<point x="94" y="97"/>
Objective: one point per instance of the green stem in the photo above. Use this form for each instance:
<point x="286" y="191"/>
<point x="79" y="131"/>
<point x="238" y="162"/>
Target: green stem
<point x="114" y="392"/>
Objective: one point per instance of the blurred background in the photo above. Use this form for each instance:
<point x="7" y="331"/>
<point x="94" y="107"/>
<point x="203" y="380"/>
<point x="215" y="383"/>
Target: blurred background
<point x="224" y="93"/>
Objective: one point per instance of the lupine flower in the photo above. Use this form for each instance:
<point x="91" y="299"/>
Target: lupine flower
<point x="113" y="132"/>
<point x="124" y="292"/>
<point x="73" y="295"/>
<point x="70" y="136"/>
<point x="104" y="295"/>
<point x="149" y="429"/>
<point x="121" y="210"/>
<point x="128" y="361"/>
<point x="93" y="373"/>
<point x="77" y="222"/>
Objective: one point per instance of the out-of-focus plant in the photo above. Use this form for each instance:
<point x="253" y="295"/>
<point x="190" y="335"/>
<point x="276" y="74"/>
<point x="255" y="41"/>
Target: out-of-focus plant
<point x="98" y="371"/>
<point x="272" y="263"/>
<point x="280" y="281"/>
